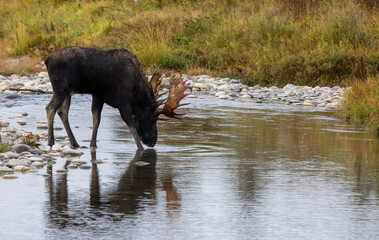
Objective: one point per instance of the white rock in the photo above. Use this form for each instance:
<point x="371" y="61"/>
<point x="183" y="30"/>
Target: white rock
<point x="37" y="164"/>
<point x="43" y="74"/>
<point x="72" y="152"/>
<point x="78" y="161"/>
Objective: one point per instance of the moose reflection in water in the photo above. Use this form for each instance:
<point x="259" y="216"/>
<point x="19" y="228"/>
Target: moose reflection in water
<point x="138" y="184"/>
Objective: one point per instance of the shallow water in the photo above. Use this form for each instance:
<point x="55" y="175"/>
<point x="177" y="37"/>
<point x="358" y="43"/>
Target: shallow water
<point x="229" y="170"/>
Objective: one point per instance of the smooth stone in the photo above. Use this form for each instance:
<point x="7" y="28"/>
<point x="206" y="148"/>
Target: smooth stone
<point x="219" y="93"/>
<point x="18" y="162"/>
<point x="20" y="168"/>
<point x="56" y="147"/>
<point x="37" y="151"/>
<point x="78" y="161"/>
<point x="72" y="166"/>
<point x="11" y="155"/>
<point x="191" y="96"/>
<point x="61" y="170"/>
<point x="72" y="152"/>
<point x="36" y="159"/>
<point x="43" y="75"/>
<point x="5" y="169"/>
<point x="223" y="97"/>
<point x="18" y="148"/>
<point x="37" y="164"/>
<point x="22" y="122"/>
<point x="42" y="125"/>
<point x="54" y="154"/>
<point x="9" y="176"/>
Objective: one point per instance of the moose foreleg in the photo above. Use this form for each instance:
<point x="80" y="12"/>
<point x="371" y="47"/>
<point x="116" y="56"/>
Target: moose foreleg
<point x="97" y="107"/>
<point x="63" y="114"/>
<point x="126" y="114"/>
<point x="51" y="108"/>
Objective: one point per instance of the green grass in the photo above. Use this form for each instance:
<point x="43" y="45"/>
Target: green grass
<point x="4" y="147"/>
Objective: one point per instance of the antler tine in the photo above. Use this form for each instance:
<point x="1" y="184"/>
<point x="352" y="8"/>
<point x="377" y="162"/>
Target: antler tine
<point x="176" y="94"/>
<point x="155" y="83"/>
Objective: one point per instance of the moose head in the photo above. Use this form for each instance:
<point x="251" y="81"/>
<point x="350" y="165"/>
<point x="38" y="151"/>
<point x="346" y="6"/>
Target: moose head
<point x="146" y="121"/>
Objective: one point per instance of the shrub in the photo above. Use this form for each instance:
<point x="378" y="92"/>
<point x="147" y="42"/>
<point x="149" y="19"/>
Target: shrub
<point x="361" y="104"/>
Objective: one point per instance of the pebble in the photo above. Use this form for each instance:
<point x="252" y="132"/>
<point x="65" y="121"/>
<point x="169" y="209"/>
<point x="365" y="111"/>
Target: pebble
<point x="11" y="155"/>
<point x="78" y="161"/>
<point x="9" y="176"/>
<point x="61" y="170"/>
<point x="72" y="152"/>
<point x="22" y="122"/>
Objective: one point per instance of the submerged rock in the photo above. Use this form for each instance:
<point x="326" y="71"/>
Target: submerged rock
<point x="71" y="152"/>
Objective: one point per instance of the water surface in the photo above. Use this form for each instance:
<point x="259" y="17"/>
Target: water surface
<point x="229" y="170"/>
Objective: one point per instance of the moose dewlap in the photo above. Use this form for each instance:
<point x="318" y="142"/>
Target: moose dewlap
<point x="116" y="78"/>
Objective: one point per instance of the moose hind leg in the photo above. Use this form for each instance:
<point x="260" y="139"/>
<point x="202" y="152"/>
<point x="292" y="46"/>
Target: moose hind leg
<point x="51" y="108"/>
<point x="126" y="114"/>
<point x="63" y="114"/>
<point x="97" y="107"/>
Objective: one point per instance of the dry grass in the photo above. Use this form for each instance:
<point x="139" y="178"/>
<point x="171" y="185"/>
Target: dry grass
<point x="23" y="65"/>
<point x="362" y="103"/>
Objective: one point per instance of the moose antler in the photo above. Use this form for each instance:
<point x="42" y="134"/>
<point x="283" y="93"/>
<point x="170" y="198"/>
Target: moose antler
<point x="176" y="94"/>
<point x="155" y="83"/>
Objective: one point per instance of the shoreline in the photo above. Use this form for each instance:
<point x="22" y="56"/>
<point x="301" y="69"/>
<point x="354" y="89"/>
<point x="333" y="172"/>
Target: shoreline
<point x="328" y="98"/>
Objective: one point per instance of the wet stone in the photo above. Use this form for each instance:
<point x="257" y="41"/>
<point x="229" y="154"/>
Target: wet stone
<point x="18" y="148"/>
<point x="5" y="169"/>
<point x="72" y="152"/>
<point x="20" y="168"/>
<point x="18" y="162"/>
<point x="9" y="176"/>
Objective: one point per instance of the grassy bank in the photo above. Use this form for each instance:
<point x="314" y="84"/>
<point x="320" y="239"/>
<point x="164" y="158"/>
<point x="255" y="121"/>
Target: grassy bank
<point x="362" y="103"/>
<point x="267" y="42"/>
<point x="316" y="42"/>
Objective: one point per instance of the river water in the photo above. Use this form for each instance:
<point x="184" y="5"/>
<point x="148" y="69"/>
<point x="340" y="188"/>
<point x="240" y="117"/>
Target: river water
<point x="228" y="170"/>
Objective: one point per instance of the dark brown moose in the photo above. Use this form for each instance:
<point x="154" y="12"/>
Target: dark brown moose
<point x="114" y="77"/>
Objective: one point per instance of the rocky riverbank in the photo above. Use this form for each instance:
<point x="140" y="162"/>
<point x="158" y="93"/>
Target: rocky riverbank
<point x="222" y="88"/>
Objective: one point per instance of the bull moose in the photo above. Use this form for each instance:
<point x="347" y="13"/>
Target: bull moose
<point x="116" y="78"/>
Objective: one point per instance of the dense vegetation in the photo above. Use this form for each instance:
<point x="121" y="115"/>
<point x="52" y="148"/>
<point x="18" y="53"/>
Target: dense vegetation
<point x="305" y="42"/>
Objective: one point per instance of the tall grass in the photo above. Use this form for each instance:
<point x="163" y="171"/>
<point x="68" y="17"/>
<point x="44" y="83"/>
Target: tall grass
<point x="313" y="42"/>
<point x="362" y="103"/>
